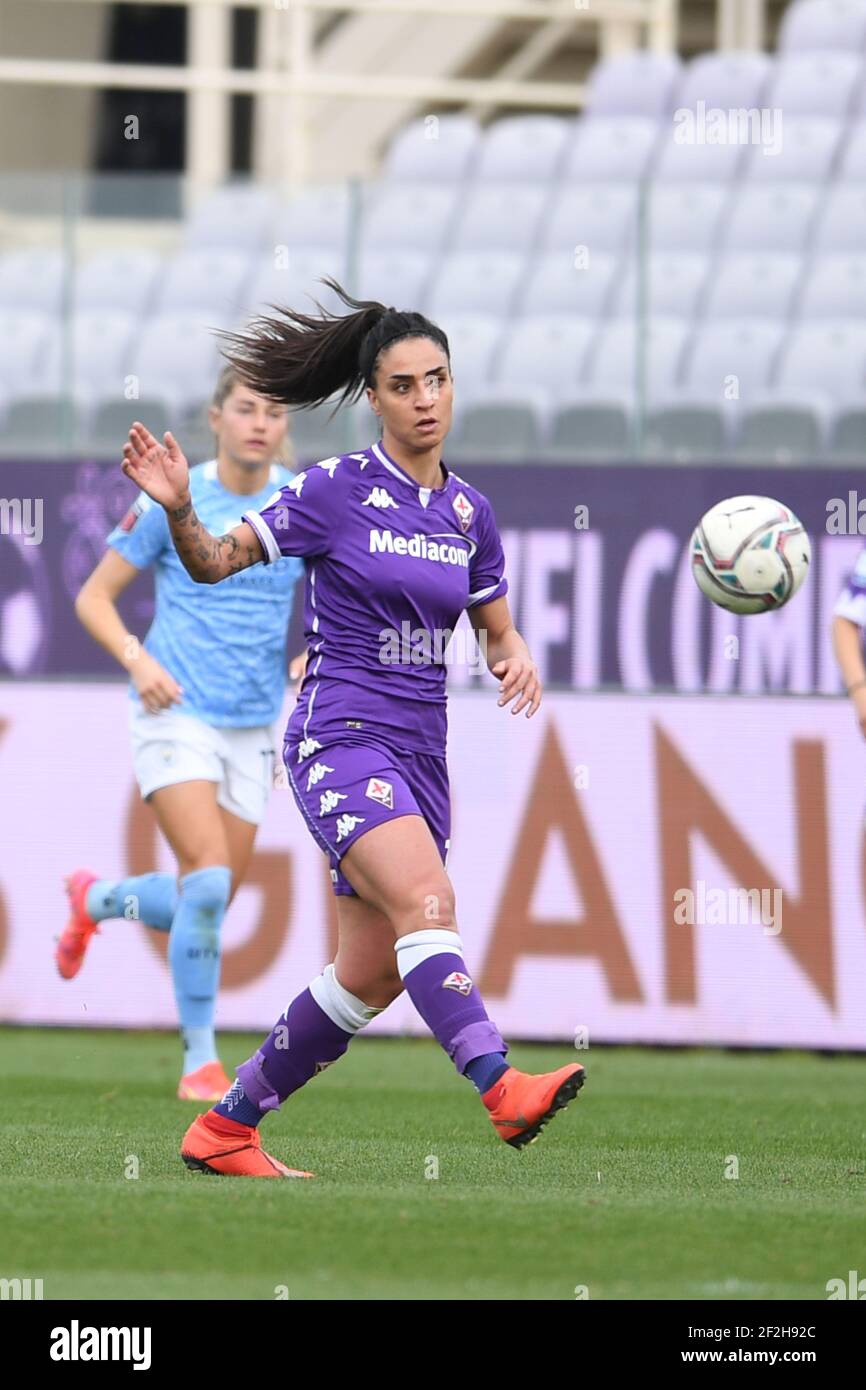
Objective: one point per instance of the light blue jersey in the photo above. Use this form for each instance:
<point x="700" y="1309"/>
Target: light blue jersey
<point x="224" y="644"/>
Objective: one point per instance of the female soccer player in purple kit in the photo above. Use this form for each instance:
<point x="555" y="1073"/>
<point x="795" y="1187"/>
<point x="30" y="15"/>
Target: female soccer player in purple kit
<point x="388" y="536"/>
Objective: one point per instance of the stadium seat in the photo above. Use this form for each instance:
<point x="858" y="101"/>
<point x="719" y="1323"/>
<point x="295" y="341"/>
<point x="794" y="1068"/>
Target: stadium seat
<point x="319" y="216"/>
<point x="781" y="431"/>
<point x="683" y="161"/>
<point x="434" y="149"/>
<point x="32" y="280"/>
<point x="620" y="356"/>
<point x="808" y="147"/>
<point x="602" y="148"/>
<point x="104" y="430"/>
<point x="208" y="279"/>
<point x="236" y="217"/>
<point x="598" y="428"/>
<point x="473" y="339"/>
<point x="394" y="277"/>
<point x="728" y="80"/>
<point x="853" y="156"/>
<point x="501" y="423"/>
<point x="841" y="224"/>
<point x="25" y="337"/>
<point x="176" y="356"/>
<point x="671" y="283"/>
<point x="42" y="424"/>
<point x="836" y="287"/>
<point x="826" y="357"/>
<point x="640" y="83"/>
<point x="121" y="281"/>
<point x="522" y="147"/>
<point x="814" y="25"/>
<point x="544" y="348"/>
<point x="556" y="285"/>
<point x="294" y="280"/>
<point x="602" y="217"/>
<point x="99" y="355"/>
<point x="729" y="356"/>
<point x="814" y="84"/>
<point x="758" y="285"/>
<point x="685" y="217"/>
<point x="500" y="217"/>
<point x="684" y="432"/>
<point x="848" y="434"/>
<point x="409" y="216"/>
<point x="478" y="282"/>
<point x="768" y="217"/>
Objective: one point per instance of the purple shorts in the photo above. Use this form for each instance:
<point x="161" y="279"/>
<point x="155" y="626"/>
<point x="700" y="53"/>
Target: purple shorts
<point x="346" y="788"/>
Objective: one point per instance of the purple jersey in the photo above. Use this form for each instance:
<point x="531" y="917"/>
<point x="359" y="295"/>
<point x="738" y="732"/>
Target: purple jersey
<point x="390" y="567"/>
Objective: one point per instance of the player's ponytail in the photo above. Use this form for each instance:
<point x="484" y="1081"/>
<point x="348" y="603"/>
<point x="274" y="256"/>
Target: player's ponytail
<point x="305" y="359"/>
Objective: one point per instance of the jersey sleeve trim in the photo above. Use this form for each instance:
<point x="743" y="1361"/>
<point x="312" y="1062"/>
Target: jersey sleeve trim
<point x="852" y="606"/>
<point x="499" y="589"/>
<point x="265" y="535"/>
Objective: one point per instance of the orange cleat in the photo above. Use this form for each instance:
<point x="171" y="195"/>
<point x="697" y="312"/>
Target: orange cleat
<point x="520" y="1104"/>
<point x="213" y="1144"/>
<point x="75" y="937"/>
<point x="206" y="1083"/>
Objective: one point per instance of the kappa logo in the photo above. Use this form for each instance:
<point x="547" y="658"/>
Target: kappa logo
<point x="329" y="465"/>
<point x="330" y="800"/>
<point x="380" y="497"/>
<point x="381" y="791"/>
<point x="464" y="509"/>
<point x="306" y="747"/>
<point x="459" y="982"/>
<point x="295" y="486"/>
<point x="317" y="772"/>
<point x="346" y="824"/>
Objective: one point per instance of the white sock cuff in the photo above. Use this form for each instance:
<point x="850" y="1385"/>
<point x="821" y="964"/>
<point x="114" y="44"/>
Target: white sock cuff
<point x="345" y="1009"/>
<point x="418" y="946"/>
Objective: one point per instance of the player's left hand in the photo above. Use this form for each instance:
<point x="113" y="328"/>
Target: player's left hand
<point x="519" y="678"/>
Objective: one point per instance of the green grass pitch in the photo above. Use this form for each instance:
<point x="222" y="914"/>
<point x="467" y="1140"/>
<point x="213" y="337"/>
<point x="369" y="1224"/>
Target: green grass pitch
<point x="624" y="1194"/>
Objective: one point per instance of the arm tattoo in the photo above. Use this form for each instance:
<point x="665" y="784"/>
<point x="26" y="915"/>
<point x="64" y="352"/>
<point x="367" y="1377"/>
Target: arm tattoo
<point x="208" y="558"/>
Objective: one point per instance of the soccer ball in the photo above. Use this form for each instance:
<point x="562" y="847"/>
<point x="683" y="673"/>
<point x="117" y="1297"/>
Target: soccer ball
<point x="750" y="554"/>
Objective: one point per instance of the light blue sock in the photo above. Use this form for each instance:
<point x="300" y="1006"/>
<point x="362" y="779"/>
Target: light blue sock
<point x="150" y="898"/>
<point x="194" y="955"/>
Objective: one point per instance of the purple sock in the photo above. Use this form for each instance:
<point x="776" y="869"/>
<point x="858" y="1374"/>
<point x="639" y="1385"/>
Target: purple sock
<point x="301" y="1044"/>
<point x="432" y="969"/>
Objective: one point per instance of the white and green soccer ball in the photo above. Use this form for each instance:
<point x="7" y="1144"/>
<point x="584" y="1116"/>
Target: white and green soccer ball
<point x="750" y="554"/>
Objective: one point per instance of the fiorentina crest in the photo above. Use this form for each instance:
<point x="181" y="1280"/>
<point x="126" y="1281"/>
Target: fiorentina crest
<point x="456" y="980"/>
<point x="379" y="790"/>
<point x="464" y="509"/>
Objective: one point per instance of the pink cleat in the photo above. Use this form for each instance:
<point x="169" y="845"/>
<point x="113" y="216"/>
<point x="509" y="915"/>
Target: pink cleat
<point x="75" y="937"/>
<point x="208" y="1083"/>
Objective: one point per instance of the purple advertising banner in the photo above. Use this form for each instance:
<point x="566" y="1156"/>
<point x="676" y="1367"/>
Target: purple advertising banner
<point x="597" y="561"/>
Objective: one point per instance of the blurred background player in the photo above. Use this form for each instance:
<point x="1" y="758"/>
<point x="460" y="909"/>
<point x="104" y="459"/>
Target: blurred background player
<point x="849" y="620"/>
<point x="204" y="695"/>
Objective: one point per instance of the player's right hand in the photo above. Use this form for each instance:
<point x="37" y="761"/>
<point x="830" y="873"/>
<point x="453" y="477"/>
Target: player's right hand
<point x="160" y="470"/>
<point x="158" y="690"/>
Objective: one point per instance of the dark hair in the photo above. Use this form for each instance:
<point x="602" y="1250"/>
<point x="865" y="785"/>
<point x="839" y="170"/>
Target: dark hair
<point x="303" y="359"/>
